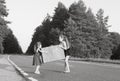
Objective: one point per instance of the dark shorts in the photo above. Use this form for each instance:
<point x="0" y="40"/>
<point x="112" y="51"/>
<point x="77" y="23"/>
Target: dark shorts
<point x="67" y="52"/>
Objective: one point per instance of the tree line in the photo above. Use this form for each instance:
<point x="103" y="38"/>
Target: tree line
<point x="8" y="42"/>
<point x="87" y="32"/>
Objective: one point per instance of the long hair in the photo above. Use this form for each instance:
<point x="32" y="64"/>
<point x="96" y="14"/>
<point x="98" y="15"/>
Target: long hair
<point x="65" y="39"/>
<point x="36" y="46"/>
<point x="67" y="42"/>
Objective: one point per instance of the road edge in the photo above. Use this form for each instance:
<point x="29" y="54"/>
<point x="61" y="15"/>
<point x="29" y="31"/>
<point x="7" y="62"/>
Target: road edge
<point x="21" y="72"/>
<point x="107" y="61"/>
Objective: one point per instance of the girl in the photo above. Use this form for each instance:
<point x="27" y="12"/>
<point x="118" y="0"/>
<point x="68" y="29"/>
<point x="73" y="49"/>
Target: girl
<point x="37" y="57"/>
<point x="64" y="43"/>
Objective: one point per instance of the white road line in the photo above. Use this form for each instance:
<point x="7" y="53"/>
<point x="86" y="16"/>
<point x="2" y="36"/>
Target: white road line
<point x="32" y="79"/>
<point x="25" y="74"/>
<point x="20" y="70"/>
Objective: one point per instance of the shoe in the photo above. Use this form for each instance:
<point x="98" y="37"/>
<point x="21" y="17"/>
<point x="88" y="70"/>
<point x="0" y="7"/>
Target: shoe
<point x="67" y="71"/>
<point x="37" y="72"/>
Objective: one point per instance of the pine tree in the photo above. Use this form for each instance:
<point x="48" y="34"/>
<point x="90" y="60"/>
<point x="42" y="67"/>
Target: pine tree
<point x="104" y="44"/>
<point x="84" y="31"/>
<point x="8" y="42"/>
<point x="48" y="32"/>
<point x="77" y="29"/>
<point x="61" y="14"/>
<point x="3" y="23"/>
<point x="87" y="33"/>
<point x="41" y="34"/>
<point x="11" y="44"/>
<point x="102" y="22"/>
<point x="115" y="39"/>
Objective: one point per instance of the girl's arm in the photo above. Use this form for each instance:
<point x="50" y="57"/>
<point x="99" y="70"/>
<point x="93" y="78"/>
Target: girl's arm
<point x="35" y="50"/>
<point x="41" y="50"/>
<point x="63" y="45"/>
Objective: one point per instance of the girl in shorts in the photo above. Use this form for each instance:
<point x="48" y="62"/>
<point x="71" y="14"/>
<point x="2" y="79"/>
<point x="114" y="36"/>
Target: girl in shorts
<point x="64" y="43"/>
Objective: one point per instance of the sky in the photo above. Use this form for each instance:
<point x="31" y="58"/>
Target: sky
<point x="26" y="15"/>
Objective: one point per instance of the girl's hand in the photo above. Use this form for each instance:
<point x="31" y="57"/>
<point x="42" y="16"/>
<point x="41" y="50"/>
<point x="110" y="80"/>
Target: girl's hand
<point x="44" y="51"/>
<point x="60" y="45"/>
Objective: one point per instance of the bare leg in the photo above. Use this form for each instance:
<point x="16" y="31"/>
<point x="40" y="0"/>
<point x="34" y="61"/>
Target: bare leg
<point x="67" y="68"/>
<point x="37" y="69"/>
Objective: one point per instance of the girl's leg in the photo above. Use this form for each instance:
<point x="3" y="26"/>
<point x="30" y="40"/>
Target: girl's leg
<point x="37" y="71"/>
<point x="67" y="68"/>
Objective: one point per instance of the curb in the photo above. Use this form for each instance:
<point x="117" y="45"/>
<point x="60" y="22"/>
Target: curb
<point x="96" y="61"/>
<point x="21" y="72"/>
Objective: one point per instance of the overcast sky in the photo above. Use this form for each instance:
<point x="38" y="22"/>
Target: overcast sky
<point x="26" y="15"/>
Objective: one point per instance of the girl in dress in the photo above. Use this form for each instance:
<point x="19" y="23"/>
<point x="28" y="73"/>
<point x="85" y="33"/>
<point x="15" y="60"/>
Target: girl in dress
<point x="37" y="57"/>
<point x="64" y="43"/>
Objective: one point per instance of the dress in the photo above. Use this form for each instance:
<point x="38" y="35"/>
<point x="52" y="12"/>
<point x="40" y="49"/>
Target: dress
<point x="37" y="57"/>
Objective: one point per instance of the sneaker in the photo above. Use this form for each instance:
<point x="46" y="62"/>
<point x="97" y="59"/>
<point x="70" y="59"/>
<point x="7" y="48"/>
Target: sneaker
<point x="67" y="71"/>
<point x="37" y="72"/>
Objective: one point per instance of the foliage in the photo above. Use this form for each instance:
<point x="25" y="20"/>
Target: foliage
<point x="88" y="33"/>
<point x="115" y="39"/>
<point x="41" y="34"/>
<point x="8" y="42"/>
<point x="48" y="32"/>
<point x="11" y="45"/>
<point x="3" y="24"/>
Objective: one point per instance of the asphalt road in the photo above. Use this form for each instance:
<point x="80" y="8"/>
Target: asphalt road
<point x="80" y="71"/>
<point x="7" y="71"/>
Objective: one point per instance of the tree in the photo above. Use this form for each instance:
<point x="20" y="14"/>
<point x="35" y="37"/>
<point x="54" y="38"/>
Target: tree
<point x="8" y="42"/>
<point x="61" y="14"/>
<point x="48" y="32"/>
<point x="102" y="22"/>
<point x="57" y="23"/>
<point x="115" y="39"/>
<point x="11" y="44"/>
<point x="41" y="34"/>
<point x="1" y="46"/>
<point x="3" y="23"/>
<point x="87" y="32"/>
<point x="80" y="29"/>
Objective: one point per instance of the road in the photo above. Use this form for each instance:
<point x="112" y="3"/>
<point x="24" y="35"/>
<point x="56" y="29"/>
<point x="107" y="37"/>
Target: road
<point x="7" y="71"/>
<point x="80" y="71"/>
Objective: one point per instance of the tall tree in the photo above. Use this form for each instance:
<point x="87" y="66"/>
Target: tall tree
<point x="1" y="46"/>
<point x="48" y="32"/>
<point x="3" y="23"/>
<point x="11" y="44"/>
<point x="57" y="24"/>
<point x="83" y="29"/>
<point x="102" y="22"/>
<point x="8" y="42"/>
<point x="78" y="29"/>
<point x="115" y="39"/>
<point x="87" y="33"/>
<point x="41" y="34"/>
<point x="61" y="14"/>
<point x="104" y="43"/>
